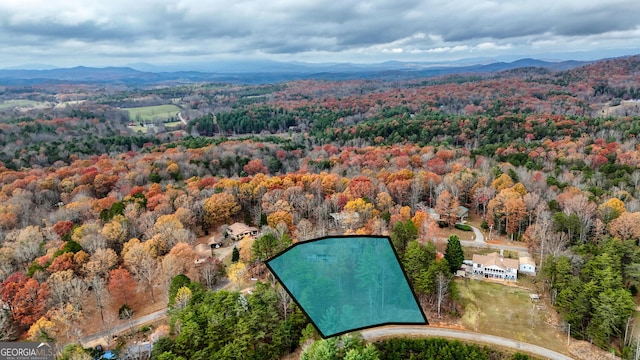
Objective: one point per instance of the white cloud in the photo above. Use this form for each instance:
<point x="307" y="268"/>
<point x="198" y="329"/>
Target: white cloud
<point x="448" y="49"/>
<point x="360" y="30"/>
<point x="492" y="46"/>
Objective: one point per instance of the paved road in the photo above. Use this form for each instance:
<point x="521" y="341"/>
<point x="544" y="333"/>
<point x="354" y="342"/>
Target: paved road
<point x="181" y="119"/>
<point x="98" y="338"/>
<point x="372" y="334"/>
<point x="95" y="339"/>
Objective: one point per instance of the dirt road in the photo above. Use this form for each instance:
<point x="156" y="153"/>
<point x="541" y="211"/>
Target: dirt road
<point x="376" y="333"/>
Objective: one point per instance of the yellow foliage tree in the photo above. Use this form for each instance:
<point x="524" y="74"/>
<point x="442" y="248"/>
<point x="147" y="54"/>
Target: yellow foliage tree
<point x="504" y="181"/>
<point x="219" y="208"/>
<point x="236" y="272"/>
<point x="405" y="213"/>
<point x="384" y="201"/>
<point x="42" y="330"/>
<point x="245" y="248"/>
<point x="611" y="209"/>
<point x="156" y="246"/>
<point x="280" y="217"/>
<point x="182" y="297"/>
<point x="170" y="221"/>
<point x="360" y="206"/>
<point x="114" y="232"/>
<point x="520" y="189"/>
<point x="173" y="168"/>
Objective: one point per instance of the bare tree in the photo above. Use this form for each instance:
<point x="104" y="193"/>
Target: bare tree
<point x="442" y="289"/>
<point x="304" y="230"/>
<point x="100" y="293"/>
<point x="66" y="288"/>
<point x="556" y="243"/>
<point x="7" y="329"/>
<point x="211" y="272"/>
<point x="27" y="244"/>
<point x="67" y="319"/>
<point x="7" y="263"/>
<point x="285" y="300"/>
<point x="146" y="271"/>
<point x="585" y="209"/>
<point x="635" y="178"/>
<point x="531" y="202"/>
<point x="417" y="190"/>
<point x="109" y="328"/>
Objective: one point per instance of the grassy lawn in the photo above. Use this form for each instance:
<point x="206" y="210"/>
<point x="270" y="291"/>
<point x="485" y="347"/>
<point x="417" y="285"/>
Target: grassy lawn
<point x="508" y="312"/>
<point x="148" y="113"/>
<point x="137" y="128"/>
<point x="462" y="235"/>
<point x="469" y="251"/>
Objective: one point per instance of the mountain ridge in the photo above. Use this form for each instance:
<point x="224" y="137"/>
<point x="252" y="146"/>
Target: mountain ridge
<point x="263" y="72"/>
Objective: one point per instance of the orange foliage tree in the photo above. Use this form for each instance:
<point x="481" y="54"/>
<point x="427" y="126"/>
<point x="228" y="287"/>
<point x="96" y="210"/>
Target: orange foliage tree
<point x="625" y="227"/>
<point x="121" y="285"/>
<point x="220" y="208"/>
<point x="26" y="298"/>
<point x="275" y="218"/>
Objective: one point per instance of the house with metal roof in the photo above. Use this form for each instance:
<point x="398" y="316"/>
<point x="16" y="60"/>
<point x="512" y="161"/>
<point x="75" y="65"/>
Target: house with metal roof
<point x="495" y="266"/>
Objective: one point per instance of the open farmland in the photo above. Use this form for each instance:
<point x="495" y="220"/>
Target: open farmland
<point x="149" y="113"/>
<point x="22" y="103"/>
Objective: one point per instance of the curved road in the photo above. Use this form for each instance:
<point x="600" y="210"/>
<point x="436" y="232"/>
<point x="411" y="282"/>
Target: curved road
<point x="372" y="334"/>
<point x="479" y="242"/>
<point x="181" y="119"/>
<point x="98" y="338"/>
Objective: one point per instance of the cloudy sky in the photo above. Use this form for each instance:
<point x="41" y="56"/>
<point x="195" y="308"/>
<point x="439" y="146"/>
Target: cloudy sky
<point x="118" y="32"/>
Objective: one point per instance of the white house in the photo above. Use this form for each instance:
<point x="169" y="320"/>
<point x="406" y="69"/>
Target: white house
<point x="527" y="265"/>
<point x="495" y="266"/>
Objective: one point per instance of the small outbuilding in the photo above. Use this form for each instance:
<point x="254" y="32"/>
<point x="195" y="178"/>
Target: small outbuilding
<point x="527" y="265"/>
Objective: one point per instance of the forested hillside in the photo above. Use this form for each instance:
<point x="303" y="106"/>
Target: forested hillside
<point x="93" y="202"/>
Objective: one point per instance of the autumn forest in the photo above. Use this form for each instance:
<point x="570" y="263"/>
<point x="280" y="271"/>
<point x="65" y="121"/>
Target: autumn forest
<point x="104" y="199"/>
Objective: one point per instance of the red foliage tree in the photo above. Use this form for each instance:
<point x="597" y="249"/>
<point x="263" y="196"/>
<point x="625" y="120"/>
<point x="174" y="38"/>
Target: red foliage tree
<point x="121" y="285"/>
<point x="27" y="299"/>
<point x="255" y="166"/>
<point x="63" y="227"/>
<point x="61" y="263"/>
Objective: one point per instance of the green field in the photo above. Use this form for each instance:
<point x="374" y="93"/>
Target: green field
<point x="19" y="103"/>
<point x="149" y="113"/>
<point x="508" y="312"/>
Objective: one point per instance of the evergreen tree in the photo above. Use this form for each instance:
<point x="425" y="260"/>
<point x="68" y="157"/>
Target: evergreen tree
<point x="454" y="253"/>
<point x="235" y="256"/>
<point x="402" y="233"/>
<point x="417" y="259"/>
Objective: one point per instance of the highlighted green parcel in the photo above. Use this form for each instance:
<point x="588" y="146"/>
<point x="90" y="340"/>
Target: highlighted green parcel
<point x="348" y="283"/>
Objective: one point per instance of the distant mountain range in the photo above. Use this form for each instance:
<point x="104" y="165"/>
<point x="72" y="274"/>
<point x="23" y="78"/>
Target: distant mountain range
<point x="253" y="72"/>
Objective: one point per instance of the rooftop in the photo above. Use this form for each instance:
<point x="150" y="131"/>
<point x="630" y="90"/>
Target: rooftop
<point x="239" y="228"/>
<point x="495" y="259"/>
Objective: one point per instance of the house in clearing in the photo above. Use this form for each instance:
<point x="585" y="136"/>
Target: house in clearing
<point x="495" y="266"/>
<point x="461" y="213"/>
<point x="238" y="231"/>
